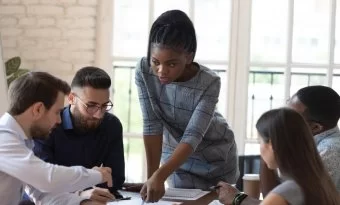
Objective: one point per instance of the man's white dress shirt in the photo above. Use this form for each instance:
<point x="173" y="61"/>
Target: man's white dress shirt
<point x="19" y="166"/>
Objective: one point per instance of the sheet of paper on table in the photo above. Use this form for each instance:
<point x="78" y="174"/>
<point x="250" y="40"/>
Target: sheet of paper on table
<point x="137" y="200"/>
<point x="171" y="196"/>
<point x="183" y="194"/>
<point x="215" y="202"/>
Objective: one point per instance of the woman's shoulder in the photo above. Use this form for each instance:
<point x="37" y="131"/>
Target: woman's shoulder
<point x="207" y="74"/>
<point x="205" y="77"/>
<point x="290" y="191"/>
<point x="142" y="65"/>
<point x="287" y="184"/>
<point x="143" y="69"/>
<point x="291" y="182"/>
<point x="273" y="198"/>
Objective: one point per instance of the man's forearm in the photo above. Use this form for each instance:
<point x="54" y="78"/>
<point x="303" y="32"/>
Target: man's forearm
<point x="46" y="177"/>
<point x="178" y="157"/>
<point x="53" y="198"/>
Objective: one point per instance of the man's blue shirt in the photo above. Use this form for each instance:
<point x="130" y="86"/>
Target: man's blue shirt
<point x="69" y="147"/>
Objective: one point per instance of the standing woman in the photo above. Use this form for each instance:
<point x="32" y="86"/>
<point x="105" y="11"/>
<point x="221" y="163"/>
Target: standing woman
<point x="178" y="98"/>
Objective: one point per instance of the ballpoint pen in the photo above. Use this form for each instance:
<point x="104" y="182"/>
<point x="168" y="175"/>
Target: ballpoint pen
<point x="213" y="188"/>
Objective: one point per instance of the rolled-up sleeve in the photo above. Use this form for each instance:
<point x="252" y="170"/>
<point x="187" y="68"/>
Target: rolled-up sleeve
<point x="40" y="198"/>
<point x="151" y="123"/>
<point x="202" y="115"/>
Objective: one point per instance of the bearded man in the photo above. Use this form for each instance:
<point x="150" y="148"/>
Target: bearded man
<point x="88" y="134"/>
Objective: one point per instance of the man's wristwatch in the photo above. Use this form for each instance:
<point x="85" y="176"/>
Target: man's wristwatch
<point x="239" y="197"/>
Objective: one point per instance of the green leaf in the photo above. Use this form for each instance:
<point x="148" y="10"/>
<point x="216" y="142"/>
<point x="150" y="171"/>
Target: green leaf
<point x="16" y="75"/>
<point x="12" y="65"/>
<point x="20" y="72"/>
<point x="10" y="80"/>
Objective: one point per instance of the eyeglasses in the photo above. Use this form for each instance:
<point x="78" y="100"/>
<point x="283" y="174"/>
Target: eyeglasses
<point x="93" y="108"/>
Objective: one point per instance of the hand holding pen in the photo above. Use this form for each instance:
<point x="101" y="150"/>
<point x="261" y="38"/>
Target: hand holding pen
<point x="153" y="189"/>
<point x="143" y="194"/>
<point x="226" y="192"/>
<point x="215" y="188"/>
<point x="106" y="174"/>
<point x="98" y="194"/>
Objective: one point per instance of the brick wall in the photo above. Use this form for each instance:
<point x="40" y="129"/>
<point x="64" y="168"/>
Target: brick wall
<point x="58" y="36"/>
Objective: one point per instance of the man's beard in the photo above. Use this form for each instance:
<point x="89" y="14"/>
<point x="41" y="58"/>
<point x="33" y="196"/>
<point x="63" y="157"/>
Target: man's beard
<point x="84" y="124"/>
<point x="37" y="132"/>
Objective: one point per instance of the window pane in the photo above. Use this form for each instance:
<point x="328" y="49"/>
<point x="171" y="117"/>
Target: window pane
<point x="130" y="34"/>
<point x="126" y="103"/>
<point x="311" y="31"/>
<point x="265" y="91"/>
<point x="160" y="6"/>
<point x="337" y="34"/>
<point x="252" y="149"/>
<point x="213" y="38"/>
<point x="269" y="31"/>
<point x="336" y="80"/>
<point x="134" y="149"/>
<point x="302" y="77"/>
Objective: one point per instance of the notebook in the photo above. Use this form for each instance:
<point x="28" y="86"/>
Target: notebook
<point x="183" y="194"/>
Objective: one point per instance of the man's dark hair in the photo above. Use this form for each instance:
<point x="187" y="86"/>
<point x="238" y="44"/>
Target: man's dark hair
<point x="93" y="77"/>
<point x="173" y="29"/>
<point x="35" y="87"/>
<point x="322" y="105"/>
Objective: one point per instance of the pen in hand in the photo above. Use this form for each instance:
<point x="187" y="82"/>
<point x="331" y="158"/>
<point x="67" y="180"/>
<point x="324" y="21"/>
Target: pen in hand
<point x="213" y="188"/>
<point x="143" y="199"/>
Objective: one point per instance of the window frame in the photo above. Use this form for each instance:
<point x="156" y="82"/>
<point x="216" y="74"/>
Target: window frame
<point x="239" y="64"/>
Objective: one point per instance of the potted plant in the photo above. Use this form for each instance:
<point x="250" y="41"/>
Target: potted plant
<point x="13" y="70"/>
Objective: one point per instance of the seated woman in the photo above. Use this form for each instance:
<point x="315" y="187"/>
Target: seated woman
<point x="286" y="143"/>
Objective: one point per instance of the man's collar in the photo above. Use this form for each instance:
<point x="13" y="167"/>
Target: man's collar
<point x="319" y="137"/>
<point x="9" y="122"/>
<point x="67" y="119"/>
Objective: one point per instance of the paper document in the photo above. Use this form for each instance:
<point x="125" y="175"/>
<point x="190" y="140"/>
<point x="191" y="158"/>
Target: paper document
<point x="137" y="200"/>
<point x="183" y="194"/>
<point x="215" y="202"/>
<point x="171" y="196"/>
